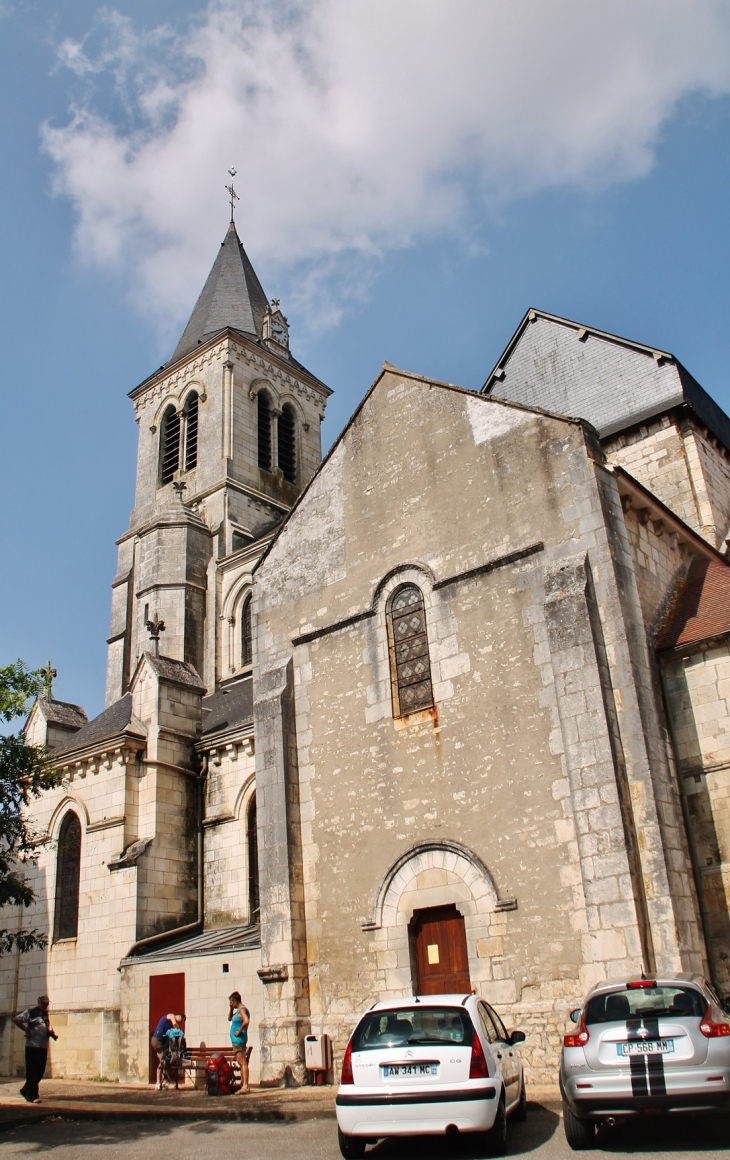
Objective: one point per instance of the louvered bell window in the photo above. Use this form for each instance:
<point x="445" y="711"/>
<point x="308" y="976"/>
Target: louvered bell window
<point x="409" y="645"/>
<point x="68" y="875"/>
<point x="264" y="430"/>
<point x="246" y="634"/>
<point x="287" y="447"/>
<point x="191" y="432"/>
<point x="252" y="836"/>
<point x="169" y="445"/>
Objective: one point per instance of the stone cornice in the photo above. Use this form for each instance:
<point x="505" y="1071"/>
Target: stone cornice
<point x="220" y="347"/>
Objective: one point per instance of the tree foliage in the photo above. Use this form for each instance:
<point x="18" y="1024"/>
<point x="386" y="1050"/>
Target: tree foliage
<point x="25" y="772"/>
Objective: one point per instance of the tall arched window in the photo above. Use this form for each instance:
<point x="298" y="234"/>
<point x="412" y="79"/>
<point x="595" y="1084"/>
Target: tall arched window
<point x="252" y="842"/>
<point x="68" y="873"/>
<point x="410" y="664"/>
<point x="169" y="444"/>
<point x="246" y="633"/>
<point x="287" y="443"/>
<point x="264" y="429"/>
<point x="191" y="431"/>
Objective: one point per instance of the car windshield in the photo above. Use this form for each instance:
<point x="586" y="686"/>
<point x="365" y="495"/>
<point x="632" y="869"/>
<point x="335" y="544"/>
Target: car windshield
<point x="415" y="1025"/>
<point x="645" y="1003"/>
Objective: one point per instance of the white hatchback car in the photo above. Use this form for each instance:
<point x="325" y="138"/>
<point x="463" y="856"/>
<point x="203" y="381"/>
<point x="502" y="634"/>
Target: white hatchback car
<point x="429" y="1065"/>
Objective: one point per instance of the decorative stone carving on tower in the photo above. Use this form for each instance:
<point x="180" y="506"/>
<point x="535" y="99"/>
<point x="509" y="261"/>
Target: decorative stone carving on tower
<point x="276" y="328"/>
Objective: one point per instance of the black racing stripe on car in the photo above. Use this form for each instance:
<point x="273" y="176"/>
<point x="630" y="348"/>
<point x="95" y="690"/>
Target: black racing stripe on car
<point x="655" y="1062"/>
<point x="637" y="1063"/>
<point x="369" y="1101"/>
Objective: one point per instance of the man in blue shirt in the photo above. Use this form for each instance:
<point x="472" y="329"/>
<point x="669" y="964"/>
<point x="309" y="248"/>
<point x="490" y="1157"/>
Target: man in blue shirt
<point x="166" y="1023"/>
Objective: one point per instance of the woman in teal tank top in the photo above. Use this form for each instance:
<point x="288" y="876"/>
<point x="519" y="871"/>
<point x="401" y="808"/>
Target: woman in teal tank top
<point x="239" y="1018"/>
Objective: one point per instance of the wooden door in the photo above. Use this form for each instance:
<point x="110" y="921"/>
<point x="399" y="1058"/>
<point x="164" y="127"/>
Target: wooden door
<point x="441" y="956"/>
<point x="167" y="994"/>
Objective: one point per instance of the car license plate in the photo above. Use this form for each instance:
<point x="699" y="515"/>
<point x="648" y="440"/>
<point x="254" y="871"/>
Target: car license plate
<point x="646" y="1047"/>
<point x="404" y="1069"/>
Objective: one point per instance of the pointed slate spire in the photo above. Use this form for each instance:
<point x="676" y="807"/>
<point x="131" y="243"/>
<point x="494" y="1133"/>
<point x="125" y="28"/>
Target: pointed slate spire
<point x="232" y="296"/>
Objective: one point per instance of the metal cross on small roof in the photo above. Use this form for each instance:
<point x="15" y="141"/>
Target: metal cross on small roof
<point x="231" y="190"/>
<point x="47" y="675"/>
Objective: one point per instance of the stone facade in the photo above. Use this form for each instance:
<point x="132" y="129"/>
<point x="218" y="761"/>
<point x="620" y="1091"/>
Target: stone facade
<point x="258" y="812"/>
<point x="545" y="745"/>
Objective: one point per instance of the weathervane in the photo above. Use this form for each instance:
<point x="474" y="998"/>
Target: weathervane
<point x="232" y="192"/>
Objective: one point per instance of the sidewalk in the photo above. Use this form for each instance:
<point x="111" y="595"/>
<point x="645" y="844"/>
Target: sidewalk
<point x="78" y="1099"/>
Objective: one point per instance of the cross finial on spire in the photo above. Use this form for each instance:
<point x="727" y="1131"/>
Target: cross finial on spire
<point x="48" y="674"/>
<point x="232" y="192"/>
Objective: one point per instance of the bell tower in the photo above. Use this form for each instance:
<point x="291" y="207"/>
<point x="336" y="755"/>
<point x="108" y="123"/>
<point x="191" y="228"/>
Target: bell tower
<point x="229" y="434"/>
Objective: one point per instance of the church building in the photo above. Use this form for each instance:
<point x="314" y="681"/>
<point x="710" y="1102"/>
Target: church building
<point x="447" y="710"/>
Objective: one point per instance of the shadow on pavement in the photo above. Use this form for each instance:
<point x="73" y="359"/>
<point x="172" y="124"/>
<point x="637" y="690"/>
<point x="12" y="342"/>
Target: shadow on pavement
<point x="662" y="1134"/>
<point x="55" y="1132"/>
<point x="537" y="1129"/>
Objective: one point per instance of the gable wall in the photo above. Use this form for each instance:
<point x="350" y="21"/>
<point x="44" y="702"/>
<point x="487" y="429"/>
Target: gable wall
<point x="607" y="383"/>
<point x="514" y="762"/>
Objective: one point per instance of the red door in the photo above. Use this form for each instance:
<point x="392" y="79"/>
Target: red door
<point x="441" y="955"/>
<point x="167" y="994"/>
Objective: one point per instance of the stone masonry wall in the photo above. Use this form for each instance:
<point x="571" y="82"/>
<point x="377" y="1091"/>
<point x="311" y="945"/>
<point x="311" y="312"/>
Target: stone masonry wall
<point x="655" y="455"/>
<point x="698" y="697"/>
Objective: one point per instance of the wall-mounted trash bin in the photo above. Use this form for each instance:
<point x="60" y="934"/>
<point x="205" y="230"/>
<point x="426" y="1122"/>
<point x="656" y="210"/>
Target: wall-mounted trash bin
<point x="317" y="1052"/>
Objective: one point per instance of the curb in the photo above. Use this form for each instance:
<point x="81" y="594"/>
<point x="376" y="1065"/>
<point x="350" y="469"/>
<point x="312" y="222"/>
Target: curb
<point x="262" y="1115"/>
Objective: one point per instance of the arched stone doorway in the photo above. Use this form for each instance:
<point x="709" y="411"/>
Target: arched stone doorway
<point x="435" y="882"/>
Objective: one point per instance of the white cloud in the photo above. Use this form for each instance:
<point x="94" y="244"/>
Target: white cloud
<point x="358" y="126"/>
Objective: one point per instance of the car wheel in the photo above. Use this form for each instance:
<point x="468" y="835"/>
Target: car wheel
<point x="520" y="1111"/>
<point x="351" y="1147"/>
<point x="496" y="1137"/>
<point x="580" y="1134"/>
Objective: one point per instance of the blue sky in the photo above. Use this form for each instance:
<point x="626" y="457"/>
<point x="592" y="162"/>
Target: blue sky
<point x="410" y="184"/>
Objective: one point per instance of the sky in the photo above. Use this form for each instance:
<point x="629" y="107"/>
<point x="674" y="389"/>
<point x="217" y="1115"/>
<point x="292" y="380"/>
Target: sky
<point x="413" y="176"/>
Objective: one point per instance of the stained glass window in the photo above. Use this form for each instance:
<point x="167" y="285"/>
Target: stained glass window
<point x="246" y="634"/>
<point x="254" y="906"/>
<point x="68" y="874"/>
<point x="409" y="649"/>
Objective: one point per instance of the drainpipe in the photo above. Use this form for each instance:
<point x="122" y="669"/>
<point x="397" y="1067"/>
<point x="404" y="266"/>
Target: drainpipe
<point x="190" y="927"/>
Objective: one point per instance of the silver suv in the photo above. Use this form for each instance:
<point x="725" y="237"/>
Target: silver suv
<point x="644" y="1045"/>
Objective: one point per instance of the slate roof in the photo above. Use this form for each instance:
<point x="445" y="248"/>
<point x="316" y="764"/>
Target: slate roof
<point x="703" y="609"/>
<point x="232" y="296"/>
<point x="210" y="942"/>
<point x="180" y="672"/>
<point x="612" y="382"/>
<point x="113" y="721"/>
<point x="229" y="707"/>
<point x="63" y="714"/>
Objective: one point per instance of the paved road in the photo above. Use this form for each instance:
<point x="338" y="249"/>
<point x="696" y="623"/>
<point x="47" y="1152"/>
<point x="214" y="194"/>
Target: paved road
<point x="541" y="1137"/>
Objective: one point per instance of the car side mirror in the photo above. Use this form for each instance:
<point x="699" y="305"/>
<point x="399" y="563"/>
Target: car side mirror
<point x="517" y="1037"/>
<point x="575" y="1015"/>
